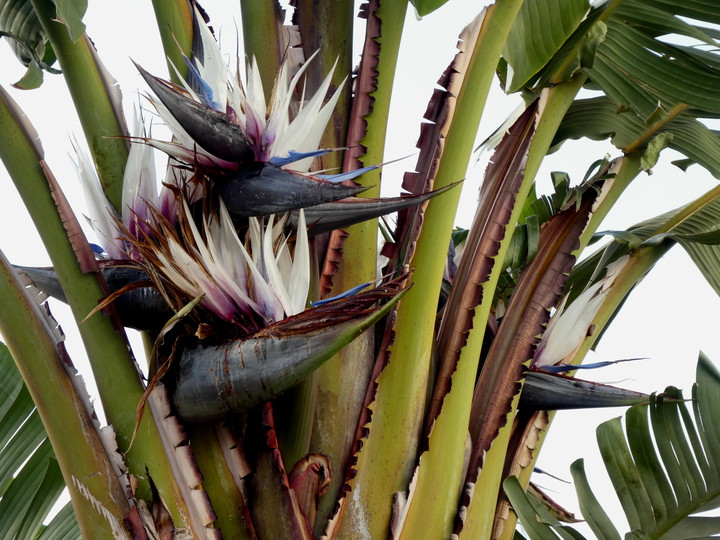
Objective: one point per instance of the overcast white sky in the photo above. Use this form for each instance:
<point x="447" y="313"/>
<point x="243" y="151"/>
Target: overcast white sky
<point x="670" y="317"/>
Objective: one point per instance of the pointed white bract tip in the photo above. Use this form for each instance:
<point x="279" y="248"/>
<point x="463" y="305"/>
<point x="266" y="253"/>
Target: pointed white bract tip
<point x="101" y="212"/>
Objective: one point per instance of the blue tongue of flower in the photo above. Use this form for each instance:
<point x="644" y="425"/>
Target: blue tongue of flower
<point x="294" y="156"/>
<point x="564" y="368"/>
<point x="203" y="90"/>
<point x="345" y="294"/>
<point x="337" y="178"/>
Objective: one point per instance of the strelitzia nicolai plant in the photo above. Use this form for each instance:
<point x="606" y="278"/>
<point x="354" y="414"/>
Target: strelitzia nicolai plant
<point x="375" y="442"/>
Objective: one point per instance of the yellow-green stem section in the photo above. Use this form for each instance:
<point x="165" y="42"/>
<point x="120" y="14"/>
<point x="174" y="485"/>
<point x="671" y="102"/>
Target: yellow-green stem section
<point x="439" y="476"/>
<point x="218" y="481"/>
<point x="481" y="511"/>
<point x="387" y="457"/>
<point x="626" y="173"/>
<point x="76" y="442"/>
<point x="263" y="39"/>
<point x="508" y="531"/>
<point x="94" y="106"/>
<point x="294" y="411"/>
<point x="342" y="381"/>
<point x="175" y="23"/>
<point x="114" y="369"/>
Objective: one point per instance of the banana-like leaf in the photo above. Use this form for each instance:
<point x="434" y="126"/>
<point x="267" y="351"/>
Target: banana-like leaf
<point x="549" y="392"/>
<point x="261" y="189"/>
<point x="540" y="29"/>
<point x="63" y="526"/>
<point x="598" y="119"/>
<point x="71" y="13"/>
<point x="697" y="234"/>
<point x="664" y="468"/>
<point x="215" y="381"/>
<point x="208" y="127"/>
<point x="694" y="226"/>
<point x="424" y="7"/>
<point x="142" y="308"/>
<point x="20" y="25"/>
<point x="636" y="69"/>
<point x="702" y="10"/>
<point x="30" y="478"/>
<point x="653" y="19"/>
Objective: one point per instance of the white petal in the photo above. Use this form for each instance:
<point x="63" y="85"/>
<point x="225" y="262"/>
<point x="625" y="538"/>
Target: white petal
<point x="263" y="294"/>
<point x="300" y="276"/>
<point x="212" y="68"/>
<point x="255" y="93"/>
<point x="139" y="182"/>
<point x="273" y="272"/>
<point x="101" y="212"/>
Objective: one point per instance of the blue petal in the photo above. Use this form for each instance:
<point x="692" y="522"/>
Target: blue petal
<point x="98" y="250"/>
<point x="595" y="365"/>
<point x="347" y="293"/>
<point x="294" y="156"/>
<point x="203" y="89"/>
<point x="337" y="178"/>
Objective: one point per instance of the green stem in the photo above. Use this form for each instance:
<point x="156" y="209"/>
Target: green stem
<point x="627" y="170"/>
<point x="385" y="461"/>
<point x="342" y="381"/>
<point x="325" y="28"/>
<point x="481" y="510"/>
<point x="294" y="411"/>
<point x="114" y="369"/>
<point x="99" y="110"/>
<point x="83" y="459"/>
<point x="225" y="497"/>
<point x="262" y="24"/>
<point x="175" y="22"/>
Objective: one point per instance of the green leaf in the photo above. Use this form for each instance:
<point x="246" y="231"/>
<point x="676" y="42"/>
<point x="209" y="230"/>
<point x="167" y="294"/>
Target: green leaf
<point x="19" y="448"/>
<point x="12" y="385"/>
<point x="62" y="527"/>
<point x="32" y="79"/>
<point x="694" y="527"/>
<point x="19" y="22"/>
<point x="48" y="491"/>
<point x="590" y="508"/>
<point x="540" y="29"/>
<point x="424" y="7"/>
<point x="655" y="21"/>
<point x="642" y="72"/>
<point x="678" y="448"/>
<point x="29" y="487"/>
<point x="18" y="499"/>
<point x="599" y="118"/>
<point x="624" y="476"/>
<point x="652" y="152"/>
<point x="71" y="13"/>
<point x="698" y="233"/>
<point x="702" y="10"/>
<point x="525" y="510"/>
